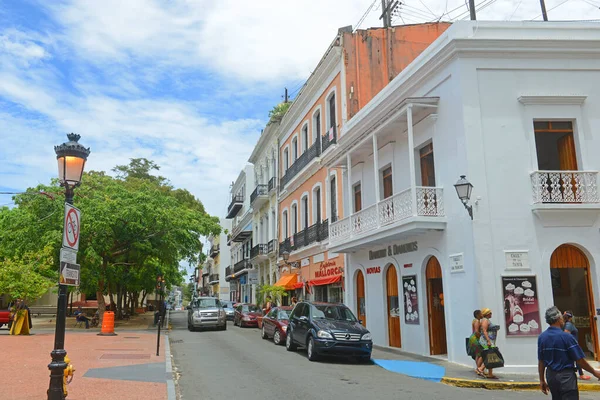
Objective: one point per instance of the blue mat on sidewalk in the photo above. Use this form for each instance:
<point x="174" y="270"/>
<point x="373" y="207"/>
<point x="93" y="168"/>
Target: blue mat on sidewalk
<point x="415" y="369"/>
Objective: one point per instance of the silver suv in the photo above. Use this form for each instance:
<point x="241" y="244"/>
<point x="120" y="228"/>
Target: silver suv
<point x="206" y="312"/>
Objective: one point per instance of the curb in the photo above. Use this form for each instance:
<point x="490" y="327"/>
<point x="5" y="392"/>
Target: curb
<point x="171" y="394"/>
<point x="495" y="385"/>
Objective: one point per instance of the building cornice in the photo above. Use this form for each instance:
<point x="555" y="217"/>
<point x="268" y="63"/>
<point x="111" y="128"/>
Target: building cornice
<point x="552" y="100"/>
<point x="270" y="134"/>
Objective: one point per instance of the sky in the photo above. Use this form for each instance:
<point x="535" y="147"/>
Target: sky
<point x="187" y="84"/>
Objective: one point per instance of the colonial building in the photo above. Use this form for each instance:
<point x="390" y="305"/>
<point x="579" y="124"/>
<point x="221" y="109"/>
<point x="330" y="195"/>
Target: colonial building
<point x="512" y="107"/>
<point x="242" y="285"/>
<point x="220" y="255"/>
<point x="354" y="68"/>
<point x="263" y="201"/>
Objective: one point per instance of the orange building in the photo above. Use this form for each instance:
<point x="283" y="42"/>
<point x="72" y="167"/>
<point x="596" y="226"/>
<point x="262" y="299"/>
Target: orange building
<point x="355" y="67"/>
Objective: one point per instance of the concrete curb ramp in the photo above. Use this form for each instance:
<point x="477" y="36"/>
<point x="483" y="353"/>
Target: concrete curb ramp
<point x="499" y="385"/>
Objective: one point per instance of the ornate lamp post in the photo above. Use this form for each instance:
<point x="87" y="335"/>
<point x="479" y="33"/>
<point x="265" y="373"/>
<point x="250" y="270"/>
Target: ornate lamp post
<point x="463" y="190"/>
<point x="71" y="157"/>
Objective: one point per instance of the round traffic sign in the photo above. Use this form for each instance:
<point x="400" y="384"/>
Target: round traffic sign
<point x="72" y="227"/>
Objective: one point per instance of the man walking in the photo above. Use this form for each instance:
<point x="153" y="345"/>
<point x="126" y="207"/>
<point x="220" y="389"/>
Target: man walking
<point x="558" y="352"/>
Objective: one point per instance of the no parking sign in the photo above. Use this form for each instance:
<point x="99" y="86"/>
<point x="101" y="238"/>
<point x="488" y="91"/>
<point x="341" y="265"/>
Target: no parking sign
<point x="71" y="227"/>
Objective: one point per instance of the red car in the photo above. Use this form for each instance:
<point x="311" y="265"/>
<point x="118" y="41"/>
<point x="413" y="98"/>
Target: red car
<point x="246" y="315"/>
<point x="275" y="324"/>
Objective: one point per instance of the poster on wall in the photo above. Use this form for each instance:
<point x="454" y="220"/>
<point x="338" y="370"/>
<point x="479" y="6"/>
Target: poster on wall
<point x="521" y="306"/>
<point x="411" y="299"/>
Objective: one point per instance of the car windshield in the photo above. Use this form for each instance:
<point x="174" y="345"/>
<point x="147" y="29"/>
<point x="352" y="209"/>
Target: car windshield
<point x="207" y="303"/>
<point x="336" y="313"/>
<point x="227" y="305"/>
<point x="283" y="315"/>
<point x="250" y="308"/>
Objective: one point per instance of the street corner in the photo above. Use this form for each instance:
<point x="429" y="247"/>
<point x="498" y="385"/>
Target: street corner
<point x="414" y="369"/>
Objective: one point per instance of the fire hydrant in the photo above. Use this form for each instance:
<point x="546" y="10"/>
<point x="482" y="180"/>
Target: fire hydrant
<point x="69" y="373"/>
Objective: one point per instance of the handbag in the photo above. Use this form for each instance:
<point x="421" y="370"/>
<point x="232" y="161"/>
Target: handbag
<point x="492" y="358"/>
<point x="467" y="340"/>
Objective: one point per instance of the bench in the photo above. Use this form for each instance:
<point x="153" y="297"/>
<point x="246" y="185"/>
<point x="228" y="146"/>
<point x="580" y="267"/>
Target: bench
<point x="45" y="310"/>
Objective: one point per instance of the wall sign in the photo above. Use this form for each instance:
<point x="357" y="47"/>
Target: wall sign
<point x="407" y="265"/>
<point x="457" y="263"/>
<point x="373" y="270"/>
<point x="521" y="306"/>
<point x="393" y="250"/>
<point x="517" y="259"/>
<point x="411" y="299"/>
<point x="305" y="262"/>
<point x="327" y="269"/>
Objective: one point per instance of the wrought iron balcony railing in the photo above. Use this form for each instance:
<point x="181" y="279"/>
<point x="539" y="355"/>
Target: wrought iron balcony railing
<point x="261" y="190"/>
<point x="313" y="152"/>
<point x="314" y="233"/>
<point x="213" y="278"/>
<point x="235" y="206"/>
<point x="272" y="183"/>
<point x="259" y="250"/>
<point x="214" y="250"/>
<point x="328" y="139"/>
<point x="240" y="265"/>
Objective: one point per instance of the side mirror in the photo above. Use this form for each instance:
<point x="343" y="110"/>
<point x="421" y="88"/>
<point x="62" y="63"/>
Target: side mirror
<point x="303" y="318"/>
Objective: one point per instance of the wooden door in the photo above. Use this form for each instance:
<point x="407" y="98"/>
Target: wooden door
<point x="393" y="307"/>
<point x="567" y="256"/>
<point x="361" y="307"/>
<point x="435" y="307"/>
<point x="566" y="153"/>
<point x="388" y="188"/>
<point x="427" y="166"/>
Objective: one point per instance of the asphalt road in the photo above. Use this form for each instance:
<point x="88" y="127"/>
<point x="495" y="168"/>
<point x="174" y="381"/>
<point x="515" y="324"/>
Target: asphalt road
<point x="237" y="363"/>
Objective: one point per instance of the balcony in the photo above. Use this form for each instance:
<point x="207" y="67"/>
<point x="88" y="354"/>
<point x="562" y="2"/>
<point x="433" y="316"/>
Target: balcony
<point x="241" y="265"/>
<point x="235" y="206"/>
<point x="566" y="198"/>
<point x="260" y="251"/>
<point x="398" y="215"/>
<point x="272" y="184"/>
<point x="313" y="152"/>
<point x="228" y="273"/>
<point x="205" y="272"/>
<point x="328" y="139"/>
<point x="213" y="279"/>
<point x="272" y="246"/>
<point x="214" y="250"/>
<point x="243" y="230"/>
<point x="259" y="196"/>
<point x="314" y="233"/>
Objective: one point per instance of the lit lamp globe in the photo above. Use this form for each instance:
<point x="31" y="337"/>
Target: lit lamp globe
<point x="71" y="157"/>
<point x="286" y="256"/>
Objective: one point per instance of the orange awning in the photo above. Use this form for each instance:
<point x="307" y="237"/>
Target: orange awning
<point x="325" y="281"/>
<point x="288" y="281"/>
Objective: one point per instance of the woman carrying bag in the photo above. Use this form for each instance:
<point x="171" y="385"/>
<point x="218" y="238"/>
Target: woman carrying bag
<point x="492" y="358"/>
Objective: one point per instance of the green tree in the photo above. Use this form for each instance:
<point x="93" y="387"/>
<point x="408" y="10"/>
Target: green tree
<point x="276" y="293"/>
<point x="28" y="277"/>
<point x="277" y="113"/>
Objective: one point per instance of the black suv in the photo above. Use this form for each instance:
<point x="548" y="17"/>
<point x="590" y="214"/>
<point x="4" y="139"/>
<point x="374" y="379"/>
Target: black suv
<point x="327" y="329"/>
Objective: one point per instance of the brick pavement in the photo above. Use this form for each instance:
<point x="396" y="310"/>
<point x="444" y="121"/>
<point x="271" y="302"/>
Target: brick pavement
<point x="106" y="367"/>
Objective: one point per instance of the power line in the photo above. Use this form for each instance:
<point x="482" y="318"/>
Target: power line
<point x="365" y="15"/>
<point x="417" y="11"/>
<point x="516" y="8"/>
<point x="551" y="9"/>
<point x="424" y="5"/>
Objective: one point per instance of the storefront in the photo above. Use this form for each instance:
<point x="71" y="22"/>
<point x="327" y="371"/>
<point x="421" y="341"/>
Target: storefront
<point x="325" y="279"/>
<point x="291" y="283"/>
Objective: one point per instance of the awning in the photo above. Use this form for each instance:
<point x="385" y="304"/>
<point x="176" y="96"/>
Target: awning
<point x="325" y="281"/>
<point x="298" y="285"/>
<point x="288" y="281"/>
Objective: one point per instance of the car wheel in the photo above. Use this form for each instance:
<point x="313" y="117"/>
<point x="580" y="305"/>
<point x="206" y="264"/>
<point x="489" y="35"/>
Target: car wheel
<point x="264" y="333"/>
<point x="277" y="338"/>
<point x="310" y="350"/>
<point x="289" y="343"/>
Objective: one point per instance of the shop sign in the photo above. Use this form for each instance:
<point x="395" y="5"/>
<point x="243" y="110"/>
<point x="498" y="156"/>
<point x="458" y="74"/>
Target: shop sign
<point x="327" y="269"/>
<point x="411" y="299"/>
<point x="457" y="263"/>
<point x="253" y="277"/>
<point x="521" y="306"/>
<point x="407" y="265"/>
<point x="517" y="259"/>
<point x="305" y="262"/>
<point x="373" y="270"/>
<point x="393" y="250"/>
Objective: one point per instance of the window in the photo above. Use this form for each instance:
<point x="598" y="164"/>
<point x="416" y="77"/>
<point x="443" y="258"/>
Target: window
<point x="331" y="103"/>
<point x="284" y="222"/>
<point x="294" y="218"/>
<point x="317" y="126"/>
<point x="387" y="182"/>
<point x="333" y="186"/>
<point x="294" y="150"/>
<point x="305" y="138"/>
<point x="357" y="198"/>
<point x="286" y="160"/>
<point x="297" y="311"/>
<point x="555" y="145"/>
<point x="317" y="204"/>
<point x="305" y="311"/>
<point x="427" y="166"/>
<point x="304" y="212"/>
<point x="283" y="315"/>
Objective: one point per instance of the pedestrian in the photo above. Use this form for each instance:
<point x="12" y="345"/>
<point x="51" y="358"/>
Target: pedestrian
<point x="572" y="329"/>
<point x="80" y="317"/>
<point x="21" y="319"/>
<point x="487" y="336"/>
<point x="474" y="345"/>
<point x="268" y="305"/>
<point x="294" y="301"/>
<point x="558" y="351"/>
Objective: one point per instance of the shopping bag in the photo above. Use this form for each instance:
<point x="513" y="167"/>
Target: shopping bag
<point x="492" y="358"/>
<point x="467" y="340"/>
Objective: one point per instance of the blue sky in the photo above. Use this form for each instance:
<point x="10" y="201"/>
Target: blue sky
<point x="187" y="84"/>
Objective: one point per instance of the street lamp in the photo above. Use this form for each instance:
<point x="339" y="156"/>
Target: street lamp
<point x="463" y="189"/>
<point x="71" y="157"/>
<point x="286" y="256"/>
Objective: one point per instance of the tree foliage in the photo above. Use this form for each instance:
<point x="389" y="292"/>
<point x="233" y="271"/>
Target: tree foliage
<point x="276" y="293"/>
<point x="133" y="227"/>
<point x="277" y="113"/>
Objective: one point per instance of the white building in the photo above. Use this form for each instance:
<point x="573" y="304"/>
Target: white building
<point x="263" y="201"/>
<point x="516" y="108"/>
<point x="239" y="271"/>
<point x="219" y="256"/>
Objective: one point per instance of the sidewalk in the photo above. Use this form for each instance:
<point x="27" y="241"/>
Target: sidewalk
<point x="106" y="367"/>
<point x="138" y="321"/>
<point x="439" y="370"/>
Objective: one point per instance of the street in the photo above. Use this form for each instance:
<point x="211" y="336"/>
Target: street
<point x="237" y="363"/>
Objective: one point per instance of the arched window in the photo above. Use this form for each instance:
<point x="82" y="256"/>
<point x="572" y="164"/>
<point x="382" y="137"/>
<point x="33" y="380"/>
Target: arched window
<point x="331" y="112"/>
<point x="294" y="150"/>
<point x="294" y="221"/>
<point x="316" y="126"/>
<point x="305" y="137"/>
<point x="284" y="225"/>
<point x="316" y="201"/>
<point x="304" y="212"/>
<point x="286" y="160"/>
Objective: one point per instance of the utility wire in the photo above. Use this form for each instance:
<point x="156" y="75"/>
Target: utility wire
<point x="551" y="9"/>
<point x="417" y="11"/>
<point x="513" y="14"/>
<point x="428" y="9"/>
<point x="364" y="15"/>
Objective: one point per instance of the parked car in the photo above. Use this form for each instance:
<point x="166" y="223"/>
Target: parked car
<point x="5" y="318"/>
<point x="247" y="315"/>
<point x="275" y="324"/>
<point x="229" y="307"/>
<point x="206" y="312"/>
<point x="327" y="329"/>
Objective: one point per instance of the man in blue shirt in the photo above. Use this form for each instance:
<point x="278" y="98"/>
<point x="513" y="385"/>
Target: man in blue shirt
<point x="558" y="352"/>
